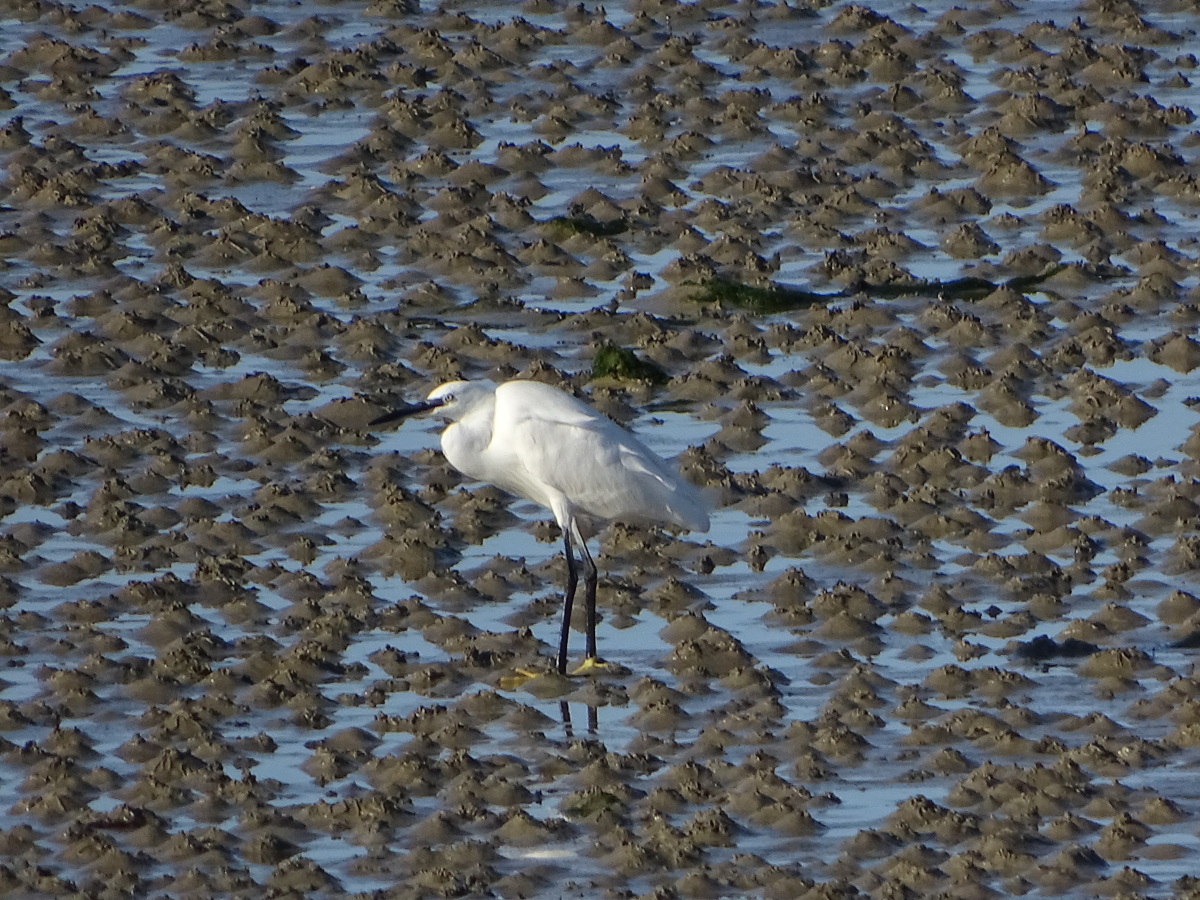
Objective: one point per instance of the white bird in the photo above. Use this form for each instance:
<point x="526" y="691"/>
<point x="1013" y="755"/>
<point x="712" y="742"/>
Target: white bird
<point x="538" y="442"/>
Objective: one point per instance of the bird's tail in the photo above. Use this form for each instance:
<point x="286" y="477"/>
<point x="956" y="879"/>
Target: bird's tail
<point x="690" y="505"/>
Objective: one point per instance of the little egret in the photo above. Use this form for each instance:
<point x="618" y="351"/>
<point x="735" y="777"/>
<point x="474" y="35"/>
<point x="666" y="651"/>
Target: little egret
<point x="535" y="441"/>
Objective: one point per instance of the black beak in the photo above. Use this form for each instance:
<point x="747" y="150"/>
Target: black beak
<point x="403" y="412"/>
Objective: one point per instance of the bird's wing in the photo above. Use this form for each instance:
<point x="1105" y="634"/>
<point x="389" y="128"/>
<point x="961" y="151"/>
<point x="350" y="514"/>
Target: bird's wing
<point x="566" y="447"/>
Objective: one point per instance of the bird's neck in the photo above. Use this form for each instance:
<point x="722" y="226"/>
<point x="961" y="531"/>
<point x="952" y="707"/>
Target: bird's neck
<point x="464" y="443"/>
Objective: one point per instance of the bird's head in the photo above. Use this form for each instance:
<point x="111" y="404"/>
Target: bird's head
<point x="452" y="400"/>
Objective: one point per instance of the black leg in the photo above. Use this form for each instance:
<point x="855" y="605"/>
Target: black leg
<point x="589" y="597"/>
<point x="568" y="600"/>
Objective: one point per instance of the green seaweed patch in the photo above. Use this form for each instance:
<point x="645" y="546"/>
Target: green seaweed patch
<point x="969" y="288"/>
<point x="592" y="802"/>
<point x="769" y="299"/>
<point x="622" y="363"/>
<point x="774" y="298"/>
<point x="1026" y="282"/>
<point x="565" y="226"/>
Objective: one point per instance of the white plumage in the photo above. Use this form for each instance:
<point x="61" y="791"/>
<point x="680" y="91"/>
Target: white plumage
<point x="537" y="442"/>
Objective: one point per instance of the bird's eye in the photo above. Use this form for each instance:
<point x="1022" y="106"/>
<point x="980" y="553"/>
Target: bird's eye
<point x="447" y="398"/>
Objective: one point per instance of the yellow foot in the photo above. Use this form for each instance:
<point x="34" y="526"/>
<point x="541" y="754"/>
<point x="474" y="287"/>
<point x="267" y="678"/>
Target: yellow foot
<point x="592" y="664"/>
<point x="518" y="678"/>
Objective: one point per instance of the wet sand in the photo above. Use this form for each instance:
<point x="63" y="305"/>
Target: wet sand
<point x="911" y="291"/>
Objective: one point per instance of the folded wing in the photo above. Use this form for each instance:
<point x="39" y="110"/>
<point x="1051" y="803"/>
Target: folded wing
<point x="601" y="470"/>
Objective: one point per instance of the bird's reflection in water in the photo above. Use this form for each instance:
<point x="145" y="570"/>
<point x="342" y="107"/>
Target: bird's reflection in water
<point x="564" y="709"/>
